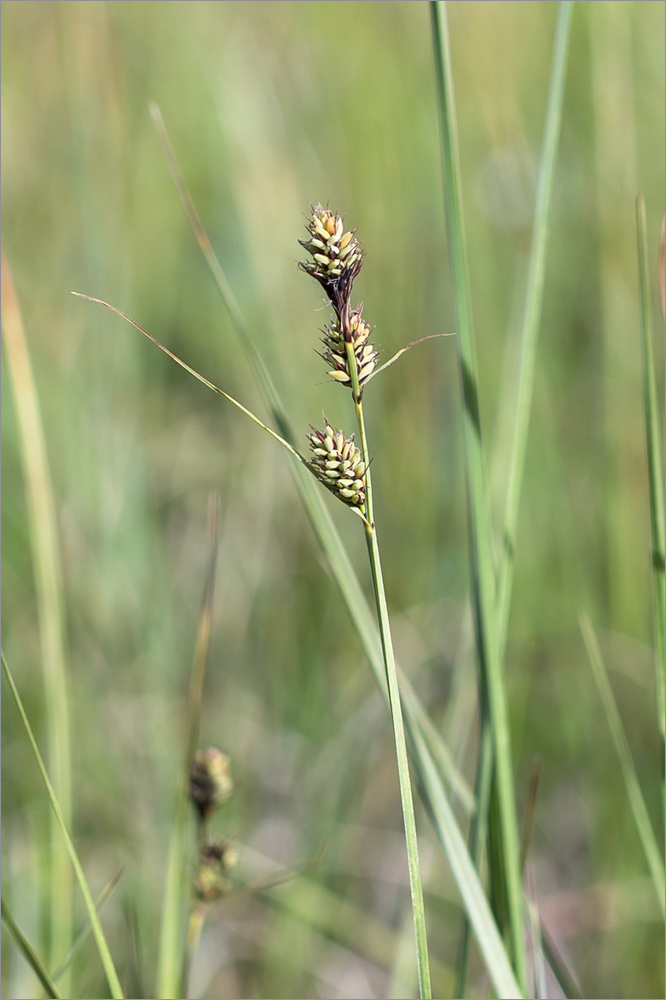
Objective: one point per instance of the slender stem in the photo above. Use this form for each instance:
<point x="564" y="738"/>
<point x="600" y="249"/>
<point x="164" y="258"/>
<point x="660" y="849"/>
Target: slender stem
<point x="396" y="709"/>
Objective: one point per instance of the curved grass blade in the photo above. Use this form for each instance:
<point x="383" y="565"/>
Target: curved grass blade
<point x="100" y="940"/>
<point x="403" y="350"/>
<point x="50" y="604"/>
<point x="201" y="378"/>
<point x="28" y="952"/>
<point x="491" y="673"/>
<point x="631" y="784"/>
<point x="654" y="455"/>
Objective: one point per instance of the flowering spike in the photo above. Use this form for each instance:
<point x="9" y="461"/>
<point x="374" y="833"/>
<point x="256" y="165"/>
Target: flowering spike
<point x="335" y="352"/>
<point x="338" y="464"/>
<point x="336" y="257"/>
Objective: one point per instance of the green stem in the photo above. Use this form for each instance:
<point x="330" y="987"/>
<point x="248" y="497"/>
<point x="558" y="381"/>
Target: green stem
<point x="396" y="709"/>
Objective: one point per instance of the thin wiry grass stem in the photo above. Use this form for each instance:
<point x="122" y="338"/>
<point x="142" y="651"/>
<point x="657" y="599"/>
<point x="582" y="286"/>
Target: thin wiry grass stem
<point x="406" y="796"/>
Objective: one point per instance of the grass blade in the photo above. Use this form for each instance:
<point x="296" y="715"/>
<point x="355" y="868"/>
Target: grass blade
<point x="28" y="952"/>
<point x="634" y="794"/>
<point x="492" y="686"/>
<point x="196" y="374"/>
<point x="171" y="970"/>
<point x="523" y="391"/>
<point x="100" y="940"/>
<point x="50" y="603"/>
<point x="464" y="871"/>
<point x="654" y="453"/>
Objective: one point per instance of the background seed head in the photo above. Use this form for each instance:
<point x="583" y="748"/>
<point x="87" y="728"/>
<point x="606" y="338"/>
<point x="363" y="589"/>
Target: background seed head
<point x="215" y="862"/>
<point x="210" y="780"/>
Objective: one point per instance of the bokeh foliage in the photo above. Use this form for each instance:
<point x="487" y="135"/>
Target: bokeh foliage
<point x="271" y="107"/>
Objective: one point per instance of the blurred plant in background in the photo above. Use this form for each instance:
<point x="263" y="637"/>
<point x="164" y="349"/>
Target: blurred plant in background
<point x="262" y="128"/>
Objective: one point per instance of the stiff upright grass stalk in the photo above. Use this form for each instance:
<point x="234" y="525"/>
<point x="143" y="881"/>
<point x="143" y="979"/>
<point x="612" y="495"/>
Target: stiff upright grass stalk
<point x="492" y="687"/>
<point x="524" y="392"/>
<point x="50" y="610"/>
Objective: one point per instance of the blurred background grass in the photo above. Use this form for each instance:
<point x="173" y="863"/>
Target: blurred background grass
<point x="271" y="107"/>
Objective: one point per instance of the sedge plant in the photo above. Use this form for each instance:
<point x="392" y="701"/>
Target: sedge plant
<point x="335" y="261"/>
<point x="344" y="468"/>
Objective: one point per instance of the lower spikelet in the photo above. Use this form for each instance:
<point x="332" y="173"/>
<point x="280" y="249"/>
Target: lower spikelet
<point x="337" y="463"/>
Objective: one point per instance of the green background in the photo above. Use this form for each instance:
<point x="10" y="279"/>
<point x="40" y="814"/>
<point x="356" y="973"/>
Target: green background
<point x="272" y="107"/>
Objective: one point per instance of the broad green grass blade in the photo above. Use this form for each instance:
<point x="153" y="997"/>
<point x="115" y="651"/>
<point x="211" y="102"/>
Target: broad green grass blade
<point x="171" y="965"/>
<point x="28" y="952"/>
<point x="50" y="605"/>
<point x="654" y="454"/>
<point x="523" y="390"/>
<point x="100" y="940"/>
<point x="483" y="569"/>
<point x="634" y="794"/>
<point x="419" y="736"/>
